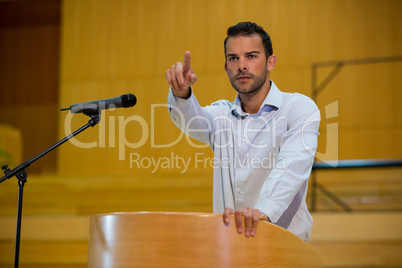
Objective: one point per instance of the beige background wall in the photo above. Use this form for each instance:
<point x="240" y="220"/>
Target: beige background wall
<point x="111" y="47"/>
<point x="114" y="47"/>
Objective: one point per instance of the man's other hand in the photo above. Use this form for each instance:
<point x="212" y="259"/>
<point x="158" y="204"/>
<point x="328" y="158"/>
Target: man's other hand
<point x="246" y="219"/>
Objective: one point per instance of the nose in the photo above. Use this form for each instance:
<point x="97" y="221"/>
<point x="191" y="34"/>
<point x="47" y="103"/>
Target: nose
<point x="242" y="65"/>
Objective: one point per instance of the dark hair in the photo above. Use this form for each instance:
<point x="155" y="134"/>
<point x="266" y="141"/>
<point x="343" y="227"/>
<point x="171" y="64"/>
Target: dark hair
<point x="249" y="28"/>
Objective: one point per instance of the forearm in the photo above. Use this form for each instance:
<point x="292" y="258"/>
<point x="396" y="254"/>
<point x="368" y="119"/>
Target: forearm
<point x="190" y="117"/>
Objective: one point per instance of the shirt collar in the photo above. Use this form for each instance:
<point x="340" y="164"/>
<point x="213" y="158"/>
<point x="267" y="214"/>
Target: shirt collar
<point x="273" y="100"/>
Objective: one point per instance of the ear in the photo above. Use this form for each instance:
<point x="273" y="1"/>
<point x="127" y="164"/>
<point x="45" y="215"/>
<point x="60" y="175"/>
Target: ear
<point x="226" y="68"/>
<point x="271" y="62"/>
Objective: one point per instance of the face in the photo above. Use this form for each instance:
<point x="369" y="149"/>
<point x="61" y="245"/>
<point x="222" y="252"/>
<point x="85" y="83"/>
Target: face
<point x="246" y="64"/>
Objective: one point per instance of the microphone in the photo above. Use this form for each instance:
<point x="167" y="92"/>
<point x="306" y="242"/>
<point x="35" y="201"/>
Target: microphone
<point x="94" y="107"/>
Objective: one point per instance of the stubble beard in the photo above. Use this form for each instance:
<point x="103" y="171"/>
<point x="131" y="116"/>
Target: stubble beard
<point x="258" y="82"/>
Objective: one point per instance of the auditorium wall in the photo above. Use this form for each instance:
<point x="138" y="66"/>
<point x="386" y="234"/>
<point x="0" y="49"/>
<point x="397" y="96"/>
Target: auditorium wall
<point x="135" y="159"/>
<point x="109" y="48"/>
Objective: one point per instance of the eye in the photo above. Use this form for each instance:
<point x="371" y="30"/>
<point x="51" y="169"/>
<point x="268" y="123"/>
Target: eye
<point x="232" y="58"/>
<point x="252" y="56"/>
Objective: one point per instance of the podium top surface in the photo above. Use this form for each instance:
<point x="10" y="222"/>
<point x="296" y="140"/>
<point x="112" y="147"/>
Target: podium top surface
<point x="167" y="239"/>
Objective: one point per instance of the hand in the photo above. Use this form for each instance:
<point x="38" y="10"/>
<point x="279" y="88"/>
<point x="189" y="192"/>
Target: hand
<point x="251" y="217"/>
<point x="181" y="77"/>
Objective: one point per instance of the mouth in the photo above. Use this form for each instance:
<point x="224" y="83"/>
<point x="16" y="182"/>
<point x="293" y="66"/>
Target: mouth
<point x="243" y="78"/>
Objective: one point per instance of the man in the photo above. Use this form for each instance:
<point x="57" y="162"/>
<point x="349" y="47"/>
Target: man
<point x="264" y="142"/>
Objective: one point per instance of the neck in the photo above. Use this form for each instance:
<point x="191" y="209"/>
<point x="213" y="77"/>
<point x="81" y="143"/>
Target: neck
<point x="252" y="102"/>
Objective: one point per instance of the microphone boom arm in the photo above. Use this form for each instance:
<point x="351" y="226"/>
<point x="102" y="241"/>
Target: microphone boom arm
<point x="21" y="175"/>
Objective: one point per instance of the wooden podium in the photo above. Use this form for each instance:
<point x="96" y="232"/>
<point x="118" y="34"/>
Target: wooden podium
<point x="147" y="239"/>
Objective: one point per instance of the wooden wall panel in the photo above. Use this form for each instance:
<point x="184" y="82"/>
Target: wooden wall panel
<point x="114" y="47"/>
<point x="29" y="73"/>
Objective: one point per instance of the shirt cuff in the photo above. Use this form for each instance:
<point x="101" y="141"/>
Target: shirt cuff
<point x="271" y="209"/>
<point x="179" y="102"/>
<point x="177" y="106"/>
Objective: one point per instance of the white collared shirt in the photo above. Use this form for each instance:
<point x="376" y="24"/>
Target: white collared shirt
<point x="262" y="160"/>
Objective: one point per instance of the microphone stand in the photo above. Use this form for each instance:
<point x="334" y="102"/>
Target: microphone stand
<point x="21" y="175"/>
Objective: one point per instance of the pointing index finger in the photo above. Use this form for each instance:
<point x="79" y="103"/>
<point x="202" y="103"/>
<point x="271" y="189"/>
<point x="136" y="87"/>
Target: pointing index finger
<point x="187" y="58"/>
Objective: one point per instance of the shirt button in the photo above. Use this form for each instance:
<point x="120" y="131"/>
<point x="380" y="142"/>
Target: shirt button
<point x="238" y="190"/>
